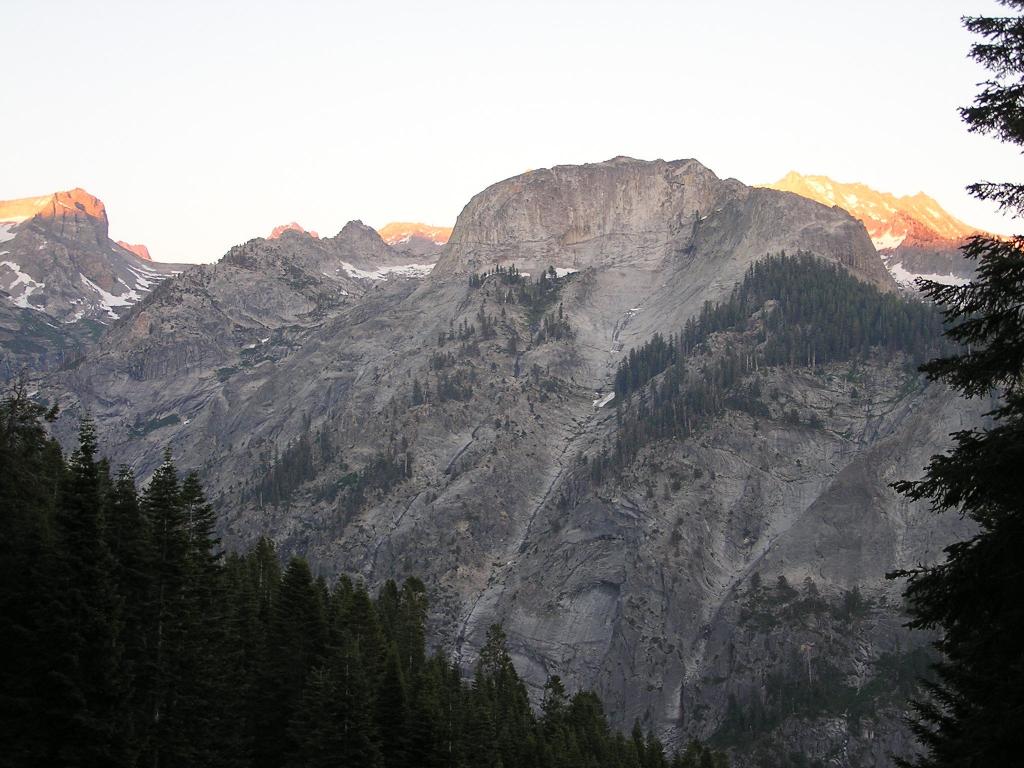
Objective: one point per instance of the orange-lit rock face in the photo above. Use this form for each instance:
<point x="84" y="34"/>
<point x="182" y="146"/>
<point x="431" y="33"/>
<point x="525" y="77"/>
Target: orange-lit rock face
<point x="402" y="231"/>
<point x="913" y="220"/>
<point x="73" y="203"/>
<point x="292" y="227"/>
<point x="139" y="250"/>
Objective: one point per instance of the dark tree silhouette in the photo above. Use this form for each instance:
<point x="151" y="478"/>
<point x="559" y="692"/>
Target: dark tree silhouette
<point x="974" y="709"/>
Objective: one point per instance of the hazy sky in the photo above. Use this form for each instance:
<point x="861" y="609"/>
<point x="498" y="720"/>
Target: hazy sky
<point x="202" y="124"/>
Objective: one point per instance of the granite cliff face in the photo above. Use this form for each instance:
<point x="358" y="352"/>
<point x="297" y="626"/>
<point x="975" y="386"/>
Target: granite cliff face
<point x="659" y="238"/>
<point x="386" y="421"/>
<point x="638" y="214"/>
<point x="62" y="279"/>
<point x="914" y="234"/>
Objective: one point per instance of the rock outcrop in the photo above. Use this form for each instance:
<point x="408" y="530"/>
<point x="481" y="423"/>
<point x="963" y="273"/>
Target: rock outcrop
<point x="137" y="248"/>
<point x="279" y="230"/>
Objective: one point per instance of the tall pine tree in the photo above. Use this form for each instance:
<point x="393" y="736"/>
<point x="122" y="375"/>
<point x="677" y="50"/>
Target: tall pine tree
<point x="87" y="620"/>
<point x="31" y="464"/>
<point x="973" y="710"/>
<point x="295" y="645"/>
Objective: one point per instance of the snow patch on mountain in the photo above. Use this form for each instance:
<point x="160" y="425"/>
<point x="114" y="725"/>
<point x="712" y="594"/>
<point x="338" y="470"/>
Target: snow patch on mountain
<point x="5" y="231"/>
<point x="885" y="241"/>
<point x="108" y="300"/>
<point x="141" y="282"/>
<point x="907" y="279"/>
<point x="21" y="278"/>
<point x="146" y="278"/>
<point x="383" y="273"/>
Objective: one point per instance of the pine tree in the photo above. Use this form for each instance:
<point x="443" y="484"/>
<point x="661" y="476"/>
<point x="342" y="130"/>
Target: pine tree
<point x="202" y="715"/>
<point x="31" y="467"/>
<point x="411" y="625"/>
<point x="358" y="616"/>
<point x="128" y="536"/>
<point x="295" y="646"/>
<point x="507" y="699"/>
<point x="479" y="732"/>
<point x="161" y="679"/>
<point x="332" y="725"/>
<point x="428" y="736"/>
<point x="87" y="621"/>
<point x="554" y="704"/>
<point x="973" y="710"/>
<point x="391" y="712"/>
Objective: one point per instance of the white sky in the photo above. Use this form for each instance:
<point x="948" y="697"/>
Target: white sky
<point x="203" y="124"/>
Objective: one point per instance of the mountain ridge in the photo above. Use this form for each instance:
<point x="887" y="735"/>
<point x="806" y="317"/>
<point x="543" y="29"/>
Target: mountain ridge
<point x="914" y="234"/>
<point x="398" y="232"/>
<point x="280" y="229"/>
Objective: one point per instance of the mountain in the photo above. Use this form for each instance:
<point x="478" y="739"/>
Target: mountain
<point x="474" y="425"/>
<point x="62" y="278"/>
<point x="398" y="232"/>
<point x="420" y="240"/>
<point x="292" y="227"/>
<point x="137" y="248"/>
<point x="914" y="234"/>
<point x="257" y="304"/>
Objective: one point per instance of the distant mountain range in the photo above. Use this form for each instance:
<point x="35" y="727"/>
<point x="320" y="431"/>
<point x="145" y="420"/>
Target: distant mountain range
<point x="398" y="232"/>
<point x="409" y="237"/>
<point x="914" y="234"/>
<point x="62" y="279"/>
<point x="420" y="240"/>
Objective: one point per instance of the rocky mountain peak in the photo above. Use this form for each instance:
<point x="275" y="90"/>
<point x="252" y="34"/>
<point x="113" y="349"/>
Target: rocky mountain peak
<point x="356" y="229"/>
<point x="73" y="214"/>
<point x="291" y="227"/>
<point x="915" y="235"/>
<point x="62" y="278"/>
<point x="401" y="232"/>
<point x="890" y="220"/>
<point x="360" y="245"/>
<point x="73" y="202"/>
<point x="137" y="248"/>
